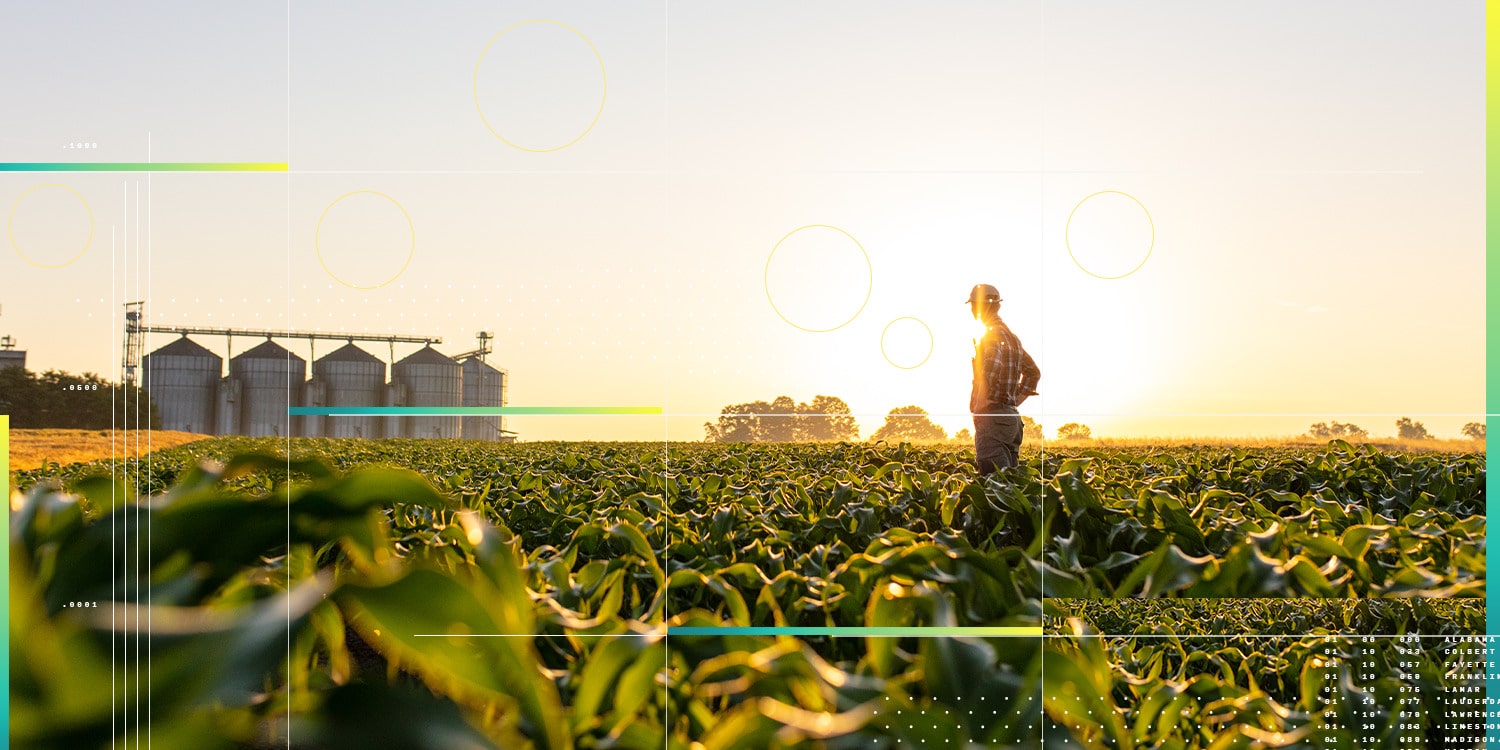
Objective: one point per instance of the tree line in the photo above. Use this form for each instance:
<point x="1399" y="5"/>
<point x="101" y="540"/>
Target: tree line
<point x="783" y="420"/>
<point x="64" y="401"/>
<point x="1406" y="429"/>
<point x="829" y="419"/>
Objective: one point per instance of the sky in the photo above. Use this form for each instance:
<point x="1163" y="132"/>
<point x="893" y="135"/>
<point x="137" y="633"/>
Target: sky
<point x="1204" y="219"/>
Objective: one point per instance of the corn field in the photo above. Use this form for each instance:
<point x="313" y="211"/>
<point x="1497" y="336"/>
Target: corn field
<point x="456" y="594"/>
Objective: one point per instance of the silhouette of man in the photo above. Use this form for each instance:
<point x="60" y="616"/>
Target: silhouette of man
<point x="1004" y="375"/>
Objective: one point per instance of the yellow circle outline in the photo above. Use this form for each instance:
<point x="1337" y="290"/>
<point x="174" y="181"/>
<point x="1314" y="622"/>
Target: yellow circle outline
<point x="318" y="248"/>
<point x="869" y="285"/>
<point x="603" y="79"/>
<point x="930" y="342"/>
<point x="10" y="225"/>
<point x="1068" y="242"/>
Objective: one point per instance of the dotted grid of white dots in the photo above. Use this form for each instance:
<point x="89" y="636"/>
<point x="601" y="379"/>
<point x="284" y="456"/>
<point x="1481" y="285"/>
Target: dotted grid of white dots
<point x="617" y="331"/>
<point x="1461" y="720"/>
<point x="892" y="719"/>
<point x="614" y="332"/>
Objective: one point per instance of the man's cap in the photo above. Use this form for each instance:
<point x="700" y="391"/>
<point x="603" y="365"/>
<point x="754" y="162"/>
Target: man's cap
<point x="983" y="291"/>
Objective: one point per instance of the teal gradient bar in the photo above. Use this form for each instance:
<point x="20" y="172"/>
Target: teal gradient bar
<point x="464" y="411"/>
<point x="143" y="166"/>
<point x="858" y="632"/>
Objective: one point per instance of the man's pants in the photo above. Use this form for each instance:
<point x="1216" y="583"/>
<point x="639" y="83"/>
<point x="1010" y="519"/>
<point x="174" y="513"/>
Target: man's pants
<point x="997" y="440"/>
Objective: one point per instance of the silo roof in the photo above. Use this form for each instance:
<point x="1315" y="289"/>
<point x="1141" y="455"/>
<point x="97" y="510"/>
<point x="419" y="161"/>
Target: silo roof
<point x="474" y="363"/>
<point x="184" y="347"/>
<point x="267" y="349"/>
<point x="427" y="356"/>
<point x="350" y="353"/>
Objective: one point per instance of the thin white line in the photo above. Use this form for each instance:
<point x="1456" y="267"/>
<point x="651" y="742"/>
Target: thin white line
<point x="701" y="415"/>
<point x="125" y="465"/>
<point x="857" y="172"/>
<point x="149" y="436"/>
<point x="666" y="352"/>
<point x="1266" y="635"/>
<point x="1042" y="221"/>
<point x="288" y="292"/>
<point x="137" y="482"/>
<point x="934" y="415"/>
<point x="628" y="172"/>
<point x="1309" y="415"/>
<point x="860" y="634"/>
<point x="524" y="635"/>
<point x="114" y="466"/>
<point x="1320" y="415"/>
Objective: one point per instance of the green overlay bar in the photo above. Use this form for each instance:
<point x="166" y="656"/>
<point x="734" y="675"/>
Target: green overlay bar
<point x="1491" y="337"/>
<point x="463" y="411"/>
<point x="5" y="570"/>
<point x="879" y="632"/>
<point x="143" y="166"/>
<point x="1491" y="341"/>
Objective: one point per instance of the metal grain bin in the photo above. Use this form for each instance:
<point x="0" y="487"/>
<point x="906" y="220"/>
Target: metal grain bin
<point x="350" y="376"/>
<point x="395" y="395"/>
<point x="431" y="379"/>
<point x="227" y="415"/>
<point x="270" y="380"/>
<point x="314" y="393"/>
<point x="483" y="386"/>
<point x="182" y="379"/>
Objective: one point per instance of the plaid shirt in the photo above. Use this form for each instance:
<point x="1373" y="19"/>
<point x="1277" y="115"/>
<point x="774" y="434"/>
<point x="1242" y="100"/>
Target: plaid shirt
<point x="1003" y="371"/>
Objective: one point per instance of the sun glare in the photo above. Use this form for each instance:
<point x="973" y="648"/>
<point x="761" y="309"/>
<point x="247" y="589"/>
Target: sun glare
<point x="976" y="329"/>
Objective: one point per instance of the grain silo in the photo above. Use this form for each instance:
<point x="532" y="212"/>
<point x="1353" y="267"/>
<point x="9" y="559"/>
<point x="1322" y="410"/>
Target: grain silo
<point x="483" y="386"/>
<point x="270" y="379"/>
<point x="350" y="376"/>
<point x="182" y="379"/>
<point x="431" y="379"/>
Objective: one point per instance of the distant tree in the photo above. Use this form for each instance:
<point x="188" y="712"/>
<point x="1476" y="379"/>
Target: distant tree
<point x="1474" y="430"/>
<point x="782" y="421"/>
<point x="962" y="437"/>
<point x="1030" y="430"/>
<point x="827" y="418"/>
<point x="1409" y="430"/>
<point x="1337" y="430"/>
<point x="1074" y="431"/>
<point x="779" y="424"/>
<point x="738" y="423"/>
<point x="63" y="401"/>
<point x="909" y="424"/>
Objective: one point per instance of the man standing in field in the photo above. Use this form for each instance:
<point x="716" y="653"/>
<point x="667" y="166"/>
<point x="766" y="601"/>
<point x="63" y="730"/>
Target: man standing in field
<point x="1004" y="375"/>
